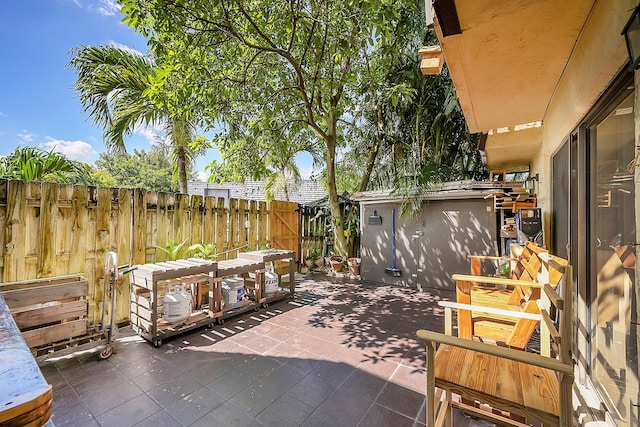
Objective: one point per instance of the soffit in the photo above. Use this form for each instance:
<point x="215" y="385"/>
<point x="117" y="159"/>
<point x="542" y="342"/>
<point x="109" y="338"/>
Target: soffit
<point x="510" y="56"/>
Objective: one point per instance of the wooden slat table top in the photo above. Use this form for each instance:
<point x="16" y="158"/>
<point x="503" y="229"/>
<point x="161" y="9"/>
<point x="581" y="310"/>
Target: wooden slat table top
<point x="267" y="255"/>
<point x="495" y="379"/>
<point x="238" y="266"/>
<point x="24" y="389"/>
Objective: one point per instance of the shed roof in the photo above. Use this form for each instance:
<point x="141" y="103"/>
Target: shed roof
<point x="442" y="191"/>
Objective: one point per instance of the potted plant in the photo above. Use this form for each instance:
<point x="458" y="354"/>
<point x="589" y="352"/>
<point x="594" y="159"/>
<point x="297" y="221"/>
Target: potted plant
<point x="311" y="258"/>
<point x="354" y="266"/>
<point x="337" y="262"/>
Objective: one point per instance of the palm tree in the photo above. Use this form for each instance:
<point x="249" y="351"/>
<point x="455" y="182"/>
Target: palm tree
<point x="35" y="164"/>
<point x="111" y="84"/>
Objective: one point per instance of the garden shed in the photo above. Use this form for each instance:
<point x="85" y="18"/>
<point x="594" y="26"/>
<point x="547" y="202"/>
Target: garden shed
<point x="457" y="219"/>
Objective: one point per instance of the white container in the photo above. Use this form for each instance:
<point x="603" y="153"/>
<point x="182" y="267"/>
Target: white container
<point x="176" y="307"/>
<point x="270" y="280"/>
<point x="233" y="291"/>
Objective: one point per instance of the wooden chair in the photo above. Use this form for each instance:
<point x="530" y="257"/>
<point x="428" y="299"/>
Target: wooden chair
<point x="525" y="265"/>
<point x="499" y="310"/>
<point x="534" y="386"/>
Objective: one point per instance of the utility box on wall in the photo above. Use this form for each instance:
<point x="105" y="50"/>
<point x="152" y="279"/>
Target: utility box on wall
<point x="430" y="247"/>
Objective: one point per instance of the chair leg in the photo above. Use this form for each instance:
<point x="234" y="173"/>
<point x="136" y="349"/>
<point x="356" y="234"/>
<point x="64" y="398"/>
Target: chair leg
<point x="449" y="417"/>
<point x="431" y="385"/>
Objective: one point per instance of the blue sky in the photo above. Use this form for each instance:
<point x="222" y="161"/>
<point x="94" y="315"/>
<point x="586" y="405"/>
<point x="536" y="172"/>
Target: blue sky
<point x="38" y="106"/>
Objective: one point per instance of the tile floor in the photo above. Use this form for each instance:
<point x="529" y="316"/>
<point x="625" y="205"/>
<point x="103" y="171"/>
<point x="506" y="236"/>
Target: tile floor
<point x="341" y="353"/>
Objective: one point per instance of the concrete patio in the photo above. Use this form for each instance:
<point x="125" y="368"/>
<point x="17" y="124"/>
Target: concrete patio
<point x="341" y="353"/>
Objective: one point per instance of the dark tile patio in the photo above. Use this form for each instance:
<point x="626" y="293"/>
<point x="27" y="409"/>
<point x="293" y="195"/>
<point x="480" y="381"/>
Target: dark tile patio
<point x="340" y="353"/>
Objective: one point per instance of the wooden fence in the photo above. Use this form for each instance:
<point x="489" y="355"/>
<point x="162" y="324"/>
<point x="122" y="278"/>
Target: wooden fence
<point x="48" y="229"/>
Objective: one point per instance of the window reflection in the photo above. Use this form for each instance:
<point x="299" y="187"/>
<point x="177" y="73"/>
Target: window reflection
<point x="613" y="234"/>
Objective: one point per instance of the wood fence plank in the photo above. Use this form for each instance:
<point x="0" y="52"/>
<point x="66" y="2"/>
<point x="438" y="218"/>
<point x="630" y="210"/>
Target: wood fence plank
<point x="14" y="231"/>
<point x="253" y="218"/>
<point x="243" y="235"/>
<point x="46" y="237"/>
<point x="181" y="218"/>
<point x="151" y="241"/>
<point x="209" y="221"/>
<point x="124" y="214"/>
<point x="233" y="228"/>
<point x="139" y="227"/>
<point x="195" y="220"/>
<point x="263" y="217"/>
<point x="90" y="257"/>
<point x="221" y="226"/>
<point x="103" y="246"/>
<point x="62" y="242"/>
<point x="82" y="241"/>
<point x="163" y="225"/>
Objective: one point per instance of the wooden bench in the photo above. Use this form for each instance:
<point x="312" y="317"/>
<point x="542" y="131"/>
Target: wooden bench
<point x="534" y="386"/>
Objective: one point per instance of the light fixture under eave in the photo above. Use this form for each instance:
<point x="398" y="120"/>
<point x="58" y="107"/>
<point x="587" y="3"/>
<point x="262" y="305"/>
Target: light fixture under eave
<point x="631" y="33"/>
<point x="431" y="60"/>
<point x="530" y="183"/>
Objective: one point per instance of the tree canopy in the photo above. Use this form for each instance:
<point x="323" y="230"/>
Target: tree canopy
<point x="259" y="70"/>
<point x="111" y="84"/>
<point x="151" y="169"/>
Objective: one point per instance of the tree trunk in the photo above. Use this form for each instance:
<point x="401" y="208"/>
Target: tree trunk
<point x="340" y="242"/>
<point x="373" y="152"/>
<point x="182" y="170"/>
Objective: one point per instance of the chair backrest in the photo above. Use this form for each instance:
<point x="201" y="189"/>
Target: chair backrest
<point x="527" y="266"/>
<point x="556" y="310"/>
<point x="552" y="273"/>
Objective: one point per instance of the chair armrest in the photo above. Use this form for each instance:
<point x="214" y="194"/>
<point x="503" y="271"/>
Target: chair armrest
<point x="496" y="280"/>
<point x="503" y="352"/>
<point x="490" y="310"/>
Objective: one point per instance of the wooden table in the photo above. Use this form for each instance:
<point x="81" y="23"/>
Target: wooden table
<point x="150" y="281"/>
<point x="233" y="267"/>
<point x="273" y="255"/>
<point x="25" y="396"/>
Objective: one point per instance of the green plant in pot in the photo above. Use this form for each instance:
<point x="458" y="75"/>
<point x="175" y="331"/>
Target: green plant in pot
<point x="314" y="258"/>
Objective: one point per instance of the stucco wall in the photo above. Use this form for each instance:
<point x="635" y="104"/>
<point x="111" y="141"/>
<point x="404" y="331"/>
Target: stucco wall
<point x="599" y="55"/>
<point x="429" y="248"/>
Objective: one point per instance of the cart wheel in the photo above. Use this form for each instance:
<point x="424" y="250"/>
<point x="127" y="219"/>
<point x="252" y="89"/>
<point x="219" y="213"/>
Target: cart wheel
<point x="220" y="321"/>
<point x="265" y="305"/>
<point x="157" y="343"/>
<point x="256" y="308"/>
<point x="106" y="352"/>
<point x="211" y="325"/>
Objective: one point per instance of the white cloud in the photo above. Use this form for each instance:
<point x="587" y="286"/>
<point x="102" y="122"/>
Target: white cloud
<point x="126" y="48"/>
<point x="101" y="7"/>
<point x="74" y="150"/>
<point x="25" y="137"/>
<point x="155" y="134"/>
<point x="105" y="7"/>
<point x="202" y="176"/>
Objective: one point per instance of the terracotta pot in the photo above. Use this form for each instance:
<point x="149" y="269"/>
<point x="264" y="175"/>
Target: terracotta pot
<point x="319" y="262"/>
<point x="354" y="266"/>
<point x="308" y="262"/>
<point x="337" y="262"/>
